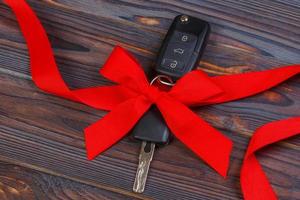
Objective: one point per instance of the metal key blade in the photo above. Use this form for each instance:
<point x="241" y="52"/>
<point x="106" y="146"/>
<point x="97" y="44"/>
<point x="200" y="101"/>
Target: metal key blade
<point x="145" y="158"/>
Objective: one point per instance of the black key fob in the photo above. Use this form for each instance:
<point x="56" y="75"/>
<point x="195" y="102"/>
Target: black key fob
<point x="183" y="46"/>
<point x="179" y="54"/>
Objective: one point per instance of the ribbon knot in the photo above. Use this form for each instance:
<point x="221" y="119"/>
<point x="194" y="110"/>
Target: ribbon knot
<point x="153" y="94"/>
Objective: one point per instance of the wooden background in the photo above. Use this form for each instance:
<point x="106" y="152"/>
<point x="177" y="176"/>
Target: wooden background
<point x="42" y="153"/>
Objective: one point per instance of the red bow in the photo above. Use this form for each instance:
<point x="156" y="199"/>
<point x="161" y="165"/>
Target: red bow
<point x="133" y="96"/>
<point x="193" y="88"/>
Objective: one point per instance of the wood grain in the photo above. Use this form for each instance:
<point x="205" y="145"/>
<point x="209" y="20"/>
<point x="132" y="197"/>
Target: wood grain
<point x="44" y="133"/>
<point x="18" y="183"/>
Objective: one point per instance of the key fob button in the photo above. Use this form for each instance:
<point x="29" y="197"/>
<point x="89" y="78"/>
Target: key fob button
<point x="178" y="50"/>
<point x="172" y="64"/>
<point x="183" y="37"/>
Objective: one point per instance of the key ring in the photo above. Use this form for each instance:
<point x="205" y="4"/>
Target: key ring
<point x="160" y="79"/>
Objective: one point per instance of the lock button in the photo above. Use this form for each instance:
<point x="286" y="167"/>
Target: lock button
<point x="183" y="38"/>
<point x="172" y="64"/>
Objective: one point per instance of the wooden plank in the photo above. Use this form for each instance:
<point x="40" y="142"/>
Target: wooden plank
<point x="18" y="183"/>
<point x="44" y="133"/>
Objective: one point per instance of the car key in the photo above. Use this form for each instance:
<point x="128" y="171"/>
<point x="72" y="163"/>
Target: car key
<point x="178" y="55"/>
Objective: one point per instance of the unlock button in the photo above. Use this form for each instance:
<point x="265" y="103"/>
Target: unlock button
<point x="172" y="63"/>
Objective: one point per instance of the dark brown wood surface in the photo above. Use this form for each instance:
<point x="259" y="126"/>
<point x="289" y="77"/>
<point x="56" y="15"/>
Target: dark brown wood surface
<point x="19" y="183"/>
<point x="42" y="154"/>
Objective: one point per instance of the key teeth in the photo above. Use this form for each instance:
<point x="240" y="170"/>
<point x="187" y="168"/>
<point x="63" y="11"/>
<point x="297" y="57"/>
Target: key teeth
<point x="145" y="159"/>
<point x="137" y="190"/>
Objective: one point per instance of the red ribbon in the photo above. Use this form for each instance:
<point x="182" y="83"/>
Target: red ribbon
<point x="255" y="184"/>
<point x="132" y="97"/>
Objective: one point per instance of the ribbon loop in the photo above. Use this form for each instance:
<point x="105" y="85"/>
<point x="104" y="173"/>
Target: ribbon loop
<point x="122" y="68"/>
<point x="193" y="88"/>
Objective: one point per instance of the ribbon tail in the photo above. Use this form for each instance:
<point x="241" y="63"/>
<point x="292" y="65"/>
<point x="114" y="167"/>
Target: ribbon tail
<point x="239" y="86"/>
<point x="205" y="141"/>
<point x="44" y="70"/>
<point x="254" y="182"/>
<point x="113" y="126"/>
